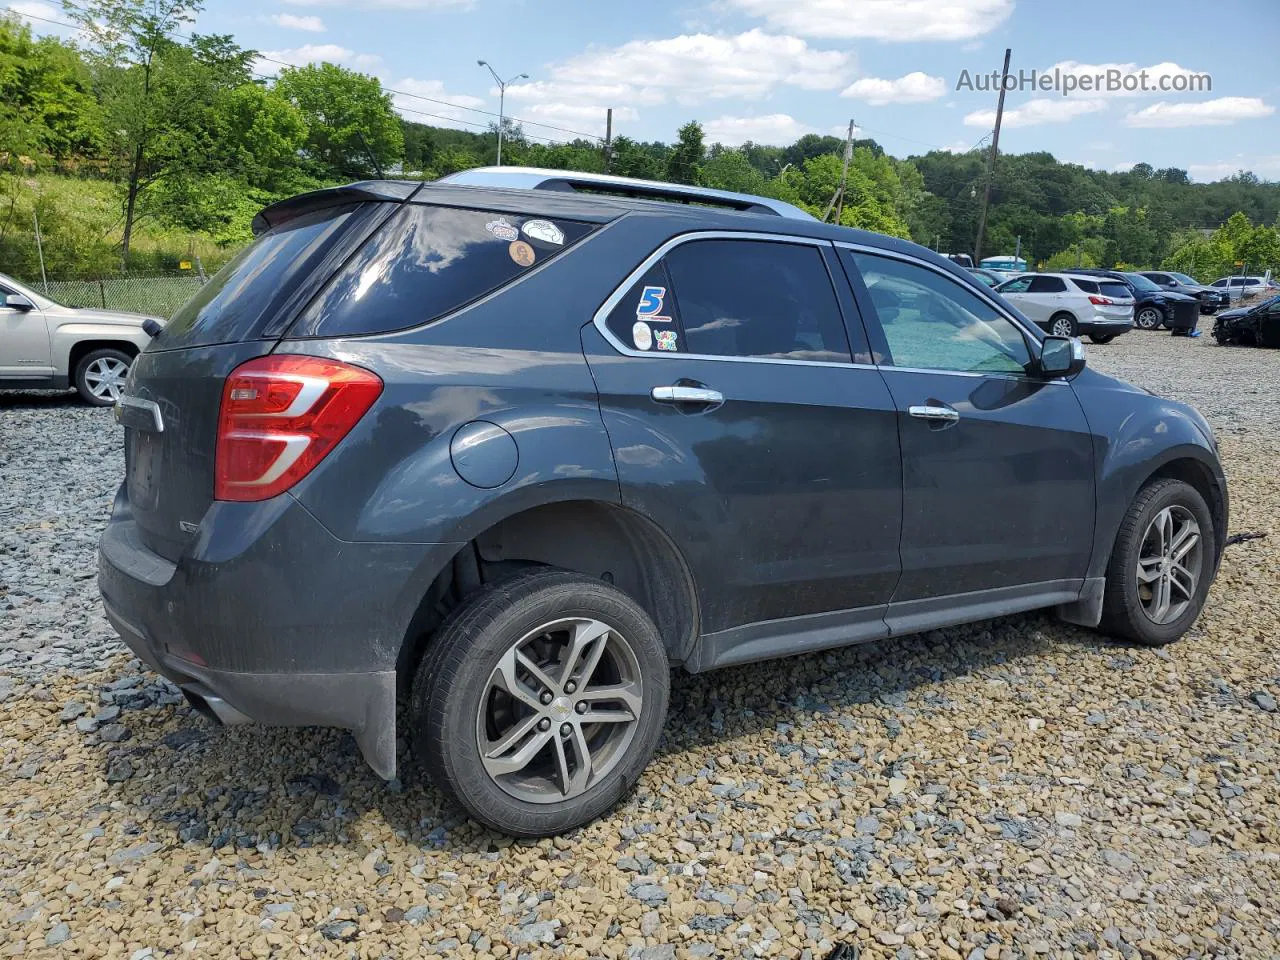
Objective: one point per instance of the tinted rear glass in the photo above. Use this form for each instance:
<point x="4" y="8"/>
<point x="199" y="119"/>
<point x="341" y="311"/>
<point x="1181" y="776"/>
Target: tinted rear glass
<point x="240" y="298"/>
<point x="1114" y="288"/>
<point x="1088" y="286"/>
<point x="428" y="261"/>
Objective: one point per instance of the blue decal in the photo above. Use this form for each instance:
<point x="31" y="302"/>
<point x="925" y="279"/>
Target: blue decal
<point x="651" y="301"/>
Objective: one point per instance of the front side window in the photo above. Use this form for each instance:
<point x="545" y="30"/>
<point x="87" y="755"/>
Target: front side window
<point x="428" y="261"/>
<point x="933" y="323"/>
<point x="1019" y="285"/>
<point x="756" y="298"/>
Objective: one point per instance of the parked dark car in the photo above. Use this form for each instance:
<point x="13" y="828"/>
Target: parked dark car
<point x="1256" y="326"/>
<point x="513" y="443"/>
<point x="1153" y="308"/>
<point x="1212" y="299"/>
<point x="988" y="277"/>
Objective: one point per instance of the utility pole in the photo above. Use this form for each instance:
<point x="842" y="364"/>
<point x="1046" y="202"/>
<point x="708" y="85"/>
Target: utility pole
<point x="838" y="198"/>
<point x="502" y="100"/>
<point x="991" y="158"/>
<point x="44" y="277"/>
<point x="608" y="140"/>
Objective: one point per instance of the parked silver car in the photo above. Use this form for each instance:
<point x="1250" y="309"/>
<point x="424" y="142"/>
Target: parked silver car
<point x="45" y="345"/>
<point x="1066" y="305"/>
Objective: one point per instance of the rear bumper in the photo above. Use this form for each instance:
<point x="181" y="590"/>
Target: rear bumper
<point x="1101" y="327"/>
<point x="267" y="617"/>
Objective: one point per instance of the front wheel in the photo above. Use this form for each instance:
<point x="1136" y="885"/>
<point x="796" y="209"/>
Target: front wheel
<point x="1063" y="325"/>
<point x="1161" y="566"/>
<point x="1148" y="318"/>
<point x="100" y="376"/>
<point x="540" y="701"/>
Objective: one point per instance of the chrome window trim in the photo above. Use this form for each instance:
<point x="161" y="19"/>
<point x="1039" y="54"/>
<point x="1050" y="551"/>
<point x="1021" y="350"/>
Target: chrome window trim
<point x="600" y="320"/>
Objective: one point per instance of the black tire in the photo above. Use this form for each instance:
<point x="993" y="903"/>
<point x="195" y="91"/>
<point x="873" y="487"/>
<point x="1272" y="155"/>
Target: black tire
<point x="453" y="679"/>
<point x="1064" y="320"/>
<point x="1102" y="338"/>
<point x="86" y="369"/>
<point x="1148" y="318"/>
<point x="1122" y="612"/>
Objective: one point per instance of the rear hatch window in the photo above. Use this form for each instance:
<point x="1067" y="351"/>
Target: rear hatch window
<point x="428" y="261"/>
<point x="1111" y="288"/>
<point x="239" y="302"/>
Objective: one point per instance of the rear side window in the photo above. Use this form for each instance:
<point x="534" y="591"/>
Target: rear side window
<point x="755" y="298"/>
<point x="241" y="297"/>
<point x="645" y="318"/>
<point x="1088" y="286"/>
<point x="428" y="261"/>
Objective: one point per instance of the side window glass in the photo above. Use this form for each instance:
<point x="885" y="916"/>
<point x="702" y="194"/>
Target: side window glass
<point x="756" y="298"/>
<point x="645" y="318"/>
<point x="1016" y="286"/>
<point x="1046" y="285"/>
<point x="932" y="323"/>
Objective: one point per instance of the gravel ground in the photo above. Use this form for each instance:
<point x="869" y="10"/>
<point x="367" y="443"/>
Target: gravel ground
<point x="1012" y="788"/>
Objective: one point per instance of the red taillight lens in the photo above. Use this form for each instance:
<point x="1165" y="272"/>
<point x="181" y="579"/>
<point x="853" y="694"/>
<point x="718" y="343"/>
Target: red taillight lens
<point x="1102" y="301"/>
<point x="280" y="416"/>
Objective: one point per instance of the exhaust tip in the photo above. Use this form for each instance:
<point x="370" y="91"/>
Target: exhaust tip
<point x="210" y="705"/>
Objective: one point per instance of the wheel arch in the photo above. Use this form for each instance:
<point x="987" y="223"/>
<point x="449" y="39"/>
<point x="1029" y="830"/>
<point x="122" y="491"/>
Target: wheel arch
<point x="596" y="538"/>
<point x="82" y="348"/>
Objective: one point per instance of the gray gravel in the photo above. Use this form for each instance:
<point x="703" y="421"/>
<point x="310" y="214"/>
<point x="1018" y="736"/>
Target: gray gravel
<point x="1014" y="788"/>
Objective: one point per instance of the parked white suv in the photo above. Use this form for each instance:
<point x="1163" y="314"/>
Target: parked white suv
<point x="47" y="346"/>
<point x="1066" y="305"/>
<point x="1238" y="287"/>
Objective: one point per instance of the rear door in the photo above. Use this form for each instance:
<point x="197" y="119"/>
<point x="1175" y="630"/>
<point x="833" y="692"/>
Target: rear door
<point x="1049" y="297"/>
<point x="742" y="426"/>
<point x="998" y="483"/>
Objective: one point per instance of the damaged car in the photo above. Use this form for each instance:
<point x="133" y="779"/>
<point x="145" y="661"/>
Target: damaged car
<point x="1256" y="326"/>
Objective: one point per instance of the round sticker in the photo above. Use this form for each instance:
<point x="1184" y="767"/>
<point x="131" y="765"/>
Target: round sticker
<point x="642" y="336"/>
<point x="521" y="253"/>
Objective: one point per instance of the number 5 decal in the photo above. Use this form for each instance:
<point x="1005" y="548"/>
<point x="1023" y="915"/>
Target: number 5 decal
<point x="650" y="304"/>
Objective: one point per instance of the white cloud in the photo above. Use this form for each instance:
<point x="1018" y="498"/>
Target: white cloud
<point x="446" y="109"/>
<point x="774" y="128"/>
<point x="293" y="22"/>
<point x="1173" y="78"/>
<point x="960" y="146"/>
<point x="1034" y="112"/>
<point x="1266" y="167"/>
<point x="316" y="53"/>
<point x="916" y="87"/>
<point x="893" y="20"/>
<point x="387" y="4"/>
<point x="688" y="70"/>
<point x="1124" y="166"/>
<point x="1217" y="112"/>
<point x="32" y="8"/>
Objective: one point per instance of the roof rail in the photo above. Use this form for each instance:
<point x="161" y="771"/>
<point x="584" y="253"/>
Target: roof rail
<point x="533" y="178"/>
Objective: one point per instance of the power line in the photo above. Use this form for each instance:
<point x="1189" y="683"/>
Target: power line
<point x="399" y="93"/>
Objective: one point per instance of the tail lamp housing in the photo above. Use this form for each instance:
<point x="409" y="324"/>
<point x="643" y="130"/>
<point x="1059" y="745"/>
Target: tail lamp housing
<point x="280" y="416"/>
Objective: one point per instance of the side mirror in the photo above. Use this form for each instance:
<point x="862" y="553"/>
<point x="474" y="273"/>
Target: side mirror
<point x="16" y="301"/>
<point x="1061" y="357"/>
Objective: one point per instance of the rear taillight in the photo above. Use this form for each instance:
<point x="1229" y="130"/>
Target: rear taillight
<point x="1101" y="301"/>
<point x="280" y="416"/>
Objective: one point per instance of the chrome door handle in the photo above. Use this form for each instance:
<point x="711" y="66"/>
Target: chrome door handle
<point x="945" y="414"/>
<point x="686" y="395"/>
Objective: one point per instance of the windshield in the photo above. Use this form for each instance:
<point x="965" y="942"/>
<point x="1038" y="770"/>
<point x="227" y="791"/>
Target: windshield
<point x="1183" y="278"/>
<point x="1140" y="282"/>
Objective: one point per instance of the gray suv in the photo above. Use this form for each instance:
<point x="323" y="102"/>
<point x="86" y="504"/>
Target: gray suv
<point x="508" y="446"/>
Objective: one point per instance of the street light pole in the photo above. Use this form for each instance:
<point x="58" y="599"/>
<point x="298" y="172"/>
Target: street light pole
<point x="502" y="100"/>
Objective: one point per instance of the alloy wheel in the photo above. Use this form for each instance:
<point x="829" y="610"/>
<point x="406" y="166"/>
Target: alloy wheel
<point x="1061" y="327"/>
<point x="1148" y="318"/>
<point x="559" y="710"/>
<point x="1169" y="564"/>
<point x="105" y="377"/>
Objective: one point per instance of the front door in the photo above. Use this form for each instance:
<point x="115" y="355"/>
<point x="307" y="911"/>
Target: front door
<point x="998" y="479"/>
<point x="742" y="427"/>
<point x="24" y="342"/>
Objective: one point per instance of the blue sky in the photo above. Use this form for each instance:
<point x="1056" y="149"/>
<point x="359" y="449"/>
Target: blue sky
<point x="771" y="70"/>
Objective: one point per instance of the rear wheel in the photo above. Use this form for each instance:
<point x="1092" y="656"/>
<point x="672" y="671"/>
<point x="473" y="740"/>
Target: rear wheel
<point x="100" y="376"/>
<point x="1102" y="338"/>
<point x="1161" y="565"/>
<point x="1063" y="325"/>
<point x="1148" y="318"/>
<point x="540" y="702"/>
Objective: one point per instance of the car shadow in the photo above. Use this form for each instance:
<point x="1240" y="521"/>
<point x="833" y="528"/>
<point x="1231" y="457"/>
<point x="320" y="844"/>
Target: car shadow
<point x="190" y="782"/>
<point x="28" y="399"/>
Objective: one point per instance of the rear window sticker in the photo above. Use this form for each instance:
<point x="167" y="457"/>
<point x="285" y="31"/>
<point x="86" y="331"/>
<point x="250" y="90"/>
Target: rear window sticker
<point x="502" y="230"/>
<point x="650" y="304"/>
<point x="521" y="253"/>
<point x="666" y="339"/>
<point x="642" y="336"/>
<point x="543" y="230"/>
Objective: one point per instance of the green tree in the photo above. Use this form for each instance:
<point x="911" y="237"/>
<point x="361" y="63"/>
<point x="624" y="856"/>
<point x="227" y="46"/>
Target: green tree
<point x="732" y="170"/>
<point x="351" y="124"/>
<point x="686" y="157"/>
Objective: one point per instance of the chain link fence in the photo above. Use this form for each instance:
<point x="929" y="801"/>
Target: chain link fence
<point x="158" y="296"/>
